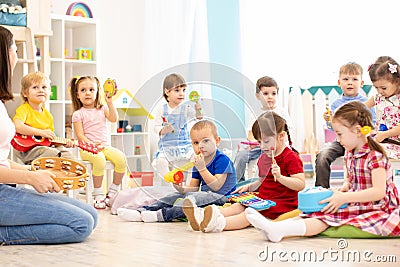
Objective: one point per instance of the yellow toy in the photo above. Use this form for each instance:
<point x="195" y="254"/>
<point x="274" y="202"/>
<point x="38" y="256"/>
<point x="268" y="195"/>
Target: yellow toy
<point x="176" y="175"/>
<point x="110" y="86"/>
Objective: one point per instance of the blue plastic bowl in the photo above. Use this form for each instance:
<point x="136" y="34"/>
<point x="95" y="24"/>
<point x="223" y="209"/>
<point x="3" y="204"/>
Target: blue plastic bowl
<point x="308" y="199"/>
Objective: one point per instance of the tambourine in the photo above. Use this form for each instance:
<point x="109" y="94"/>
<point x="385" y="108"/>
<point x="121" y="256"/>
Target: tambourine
<point x="69" y="174"/>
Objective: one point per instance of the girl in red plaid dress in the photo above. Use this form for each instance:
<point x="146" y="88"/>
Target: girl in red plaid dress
<point x="372" y="197"/>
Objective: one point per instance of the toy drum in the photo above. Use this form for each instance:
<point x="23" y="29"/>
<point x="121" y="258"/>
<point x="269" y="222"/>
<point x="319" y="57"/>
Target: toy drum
<point x="308" y="199"/>
<point x="70" y="174"/>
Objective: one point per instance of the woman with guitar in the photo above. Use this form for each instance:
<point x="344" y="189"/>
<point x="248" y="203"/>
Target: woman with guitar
<point x="32" y="216"/>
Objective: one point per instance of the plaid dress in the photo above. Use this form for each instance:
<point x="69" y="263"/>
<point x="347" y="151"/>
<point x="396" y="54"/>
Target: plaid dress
<point x="379" y="217"/>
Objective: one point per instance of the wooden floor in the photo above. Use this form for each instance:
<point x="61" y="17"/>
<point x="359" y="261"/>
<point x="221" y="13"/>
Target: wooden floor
<point x="117" y="243"/>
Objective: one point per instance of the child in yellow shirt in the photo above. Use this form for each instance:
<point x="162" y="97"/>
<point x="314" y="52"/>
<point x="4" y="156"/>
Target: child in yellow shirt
<point x="33" y="119"/>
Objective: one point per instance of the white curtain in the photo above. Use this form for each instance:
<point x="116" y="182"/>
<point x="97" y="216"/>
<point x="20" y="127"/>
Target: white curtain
<point x="175" y="34"/>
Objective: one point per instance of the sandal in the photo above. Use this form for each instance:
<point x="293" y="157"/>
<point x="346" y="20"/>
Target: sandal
<point x="99" y="204"/>
<point x="107" y="201"/>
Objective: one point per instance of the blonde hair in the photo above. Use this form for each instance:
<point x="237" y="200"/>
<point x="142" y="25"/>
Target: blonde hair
<point x="351" y="68"/>
<point x="33" y="78"/>
<point x="200" y="125"/>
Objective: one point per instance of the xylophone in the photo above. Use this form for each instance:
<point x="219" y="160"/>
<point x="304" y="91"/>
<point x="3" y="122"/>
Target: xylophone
<point x="250" y="199"/>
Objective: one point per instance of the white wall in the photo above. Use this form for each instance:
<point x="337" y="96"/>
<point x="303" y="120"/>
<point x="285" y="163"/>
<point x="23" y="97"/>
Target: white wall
<point x="121" y="38"/>
<point x="305" y="42"/>
<point x="297" y="42"/>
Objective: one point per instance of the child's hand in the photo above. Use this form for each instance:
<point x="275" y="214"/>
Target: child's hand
<point x="168" y="128"/>
<point x="197" y="107"/>
<point x="276" y="171"/>
<point x="334" y="202"/>
<point x="179" y="187"/>
<point x="245" y="188"/>
<point x="328" y="115"/>
<point x="69" y="143"/>
<point x="100" y="146"/>
<point x="345" y="187"/>
<point x="199" y="162"/>
<point x="380" y="136"/>
<point x="108" y="97"/>
<point x="47" y="134"/>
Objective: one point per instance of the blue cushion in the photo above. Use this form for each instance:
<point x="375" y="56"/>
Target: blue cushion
<point x="13" y="19"/>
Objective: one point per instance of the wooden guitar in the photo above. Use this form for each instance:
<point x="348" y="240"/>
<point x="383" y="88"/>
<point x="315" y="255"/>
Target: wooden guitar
<point x="24" y="143"/>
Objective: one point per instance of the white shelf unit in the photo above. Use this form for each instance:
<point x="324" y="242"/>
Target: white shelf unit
<point x="128" y="142"/>
<point x="69" y="33"/>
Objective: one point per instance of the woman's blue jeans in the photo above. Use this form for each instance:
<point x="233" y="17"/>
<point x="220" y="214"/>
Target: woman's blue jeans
<point x="28" y="217"/>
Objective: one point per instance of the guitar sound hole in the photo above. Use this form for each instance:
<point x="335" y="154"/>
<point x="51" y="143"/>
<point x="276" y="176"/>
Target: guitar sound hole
<point x="37" y="138"/>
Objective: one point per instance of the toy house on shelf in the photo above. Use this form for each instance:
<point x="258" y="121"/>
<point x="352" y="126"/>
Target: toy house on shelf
<point x="129" y="134"/>
<point x="125" y="101"/>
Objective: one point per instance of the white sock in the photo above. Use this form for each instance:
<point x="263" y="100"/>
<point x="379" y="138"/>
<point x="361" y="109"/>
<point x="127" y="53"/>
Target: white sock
<point x="129" y="215"/>
<point x="113" y="190"/>
<point x="98" y="194"/>
<point x="275" y="231"/>
<point x="214" y="221"/>
<point x="149" y="216"/>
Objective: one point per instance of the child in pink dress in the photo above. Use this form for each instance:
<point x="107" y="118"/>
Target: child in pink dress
<point x="372" y="197"/>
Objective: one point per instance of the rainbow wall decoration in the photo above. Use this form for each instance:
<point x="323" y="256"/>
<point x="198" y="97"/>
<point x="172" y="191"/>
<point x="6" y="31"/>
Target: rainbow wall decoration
<point x="79" y="9"/>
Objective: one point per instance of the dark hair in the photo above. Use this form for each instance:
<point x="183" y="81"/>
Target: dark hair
<point x="271" y="124"/>
<point x="381" y="70"/>
<point x="351" y="68"/>
<point x="356" y="113"/>
<point x="74" y="86"/>
<point x="171" y="81"/>
<point x="6" y="41"/>
<point x="266" y="82"/>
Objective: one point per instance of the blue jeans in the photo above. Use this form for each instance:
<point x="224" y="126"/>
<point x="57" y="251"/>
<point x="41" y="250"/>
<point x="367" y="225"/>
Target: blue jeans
<point x="171" y="205"/>
<point x="242" y="158"/>
<point x="27" y="217"/>
<point x="325" y="157"/>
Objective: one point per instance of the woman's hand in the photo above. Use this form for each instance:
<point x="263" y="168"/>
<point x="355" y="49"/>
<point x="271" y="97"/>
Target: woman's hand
<point x="42" y="181"/>
<point x="337" y="199"/>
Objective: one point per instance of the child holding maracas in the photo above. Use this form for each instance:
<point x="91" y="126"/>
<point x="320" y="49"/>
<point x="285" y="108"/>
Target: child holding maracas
<point x="171" y="125"/>
<point x="213" y="173"/>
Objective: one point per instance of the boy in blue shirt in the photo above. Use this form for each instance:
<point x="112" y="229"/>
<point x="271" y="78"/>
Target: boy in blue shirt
<point x="350" y="81"/>
<point x="213" y="173"/>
